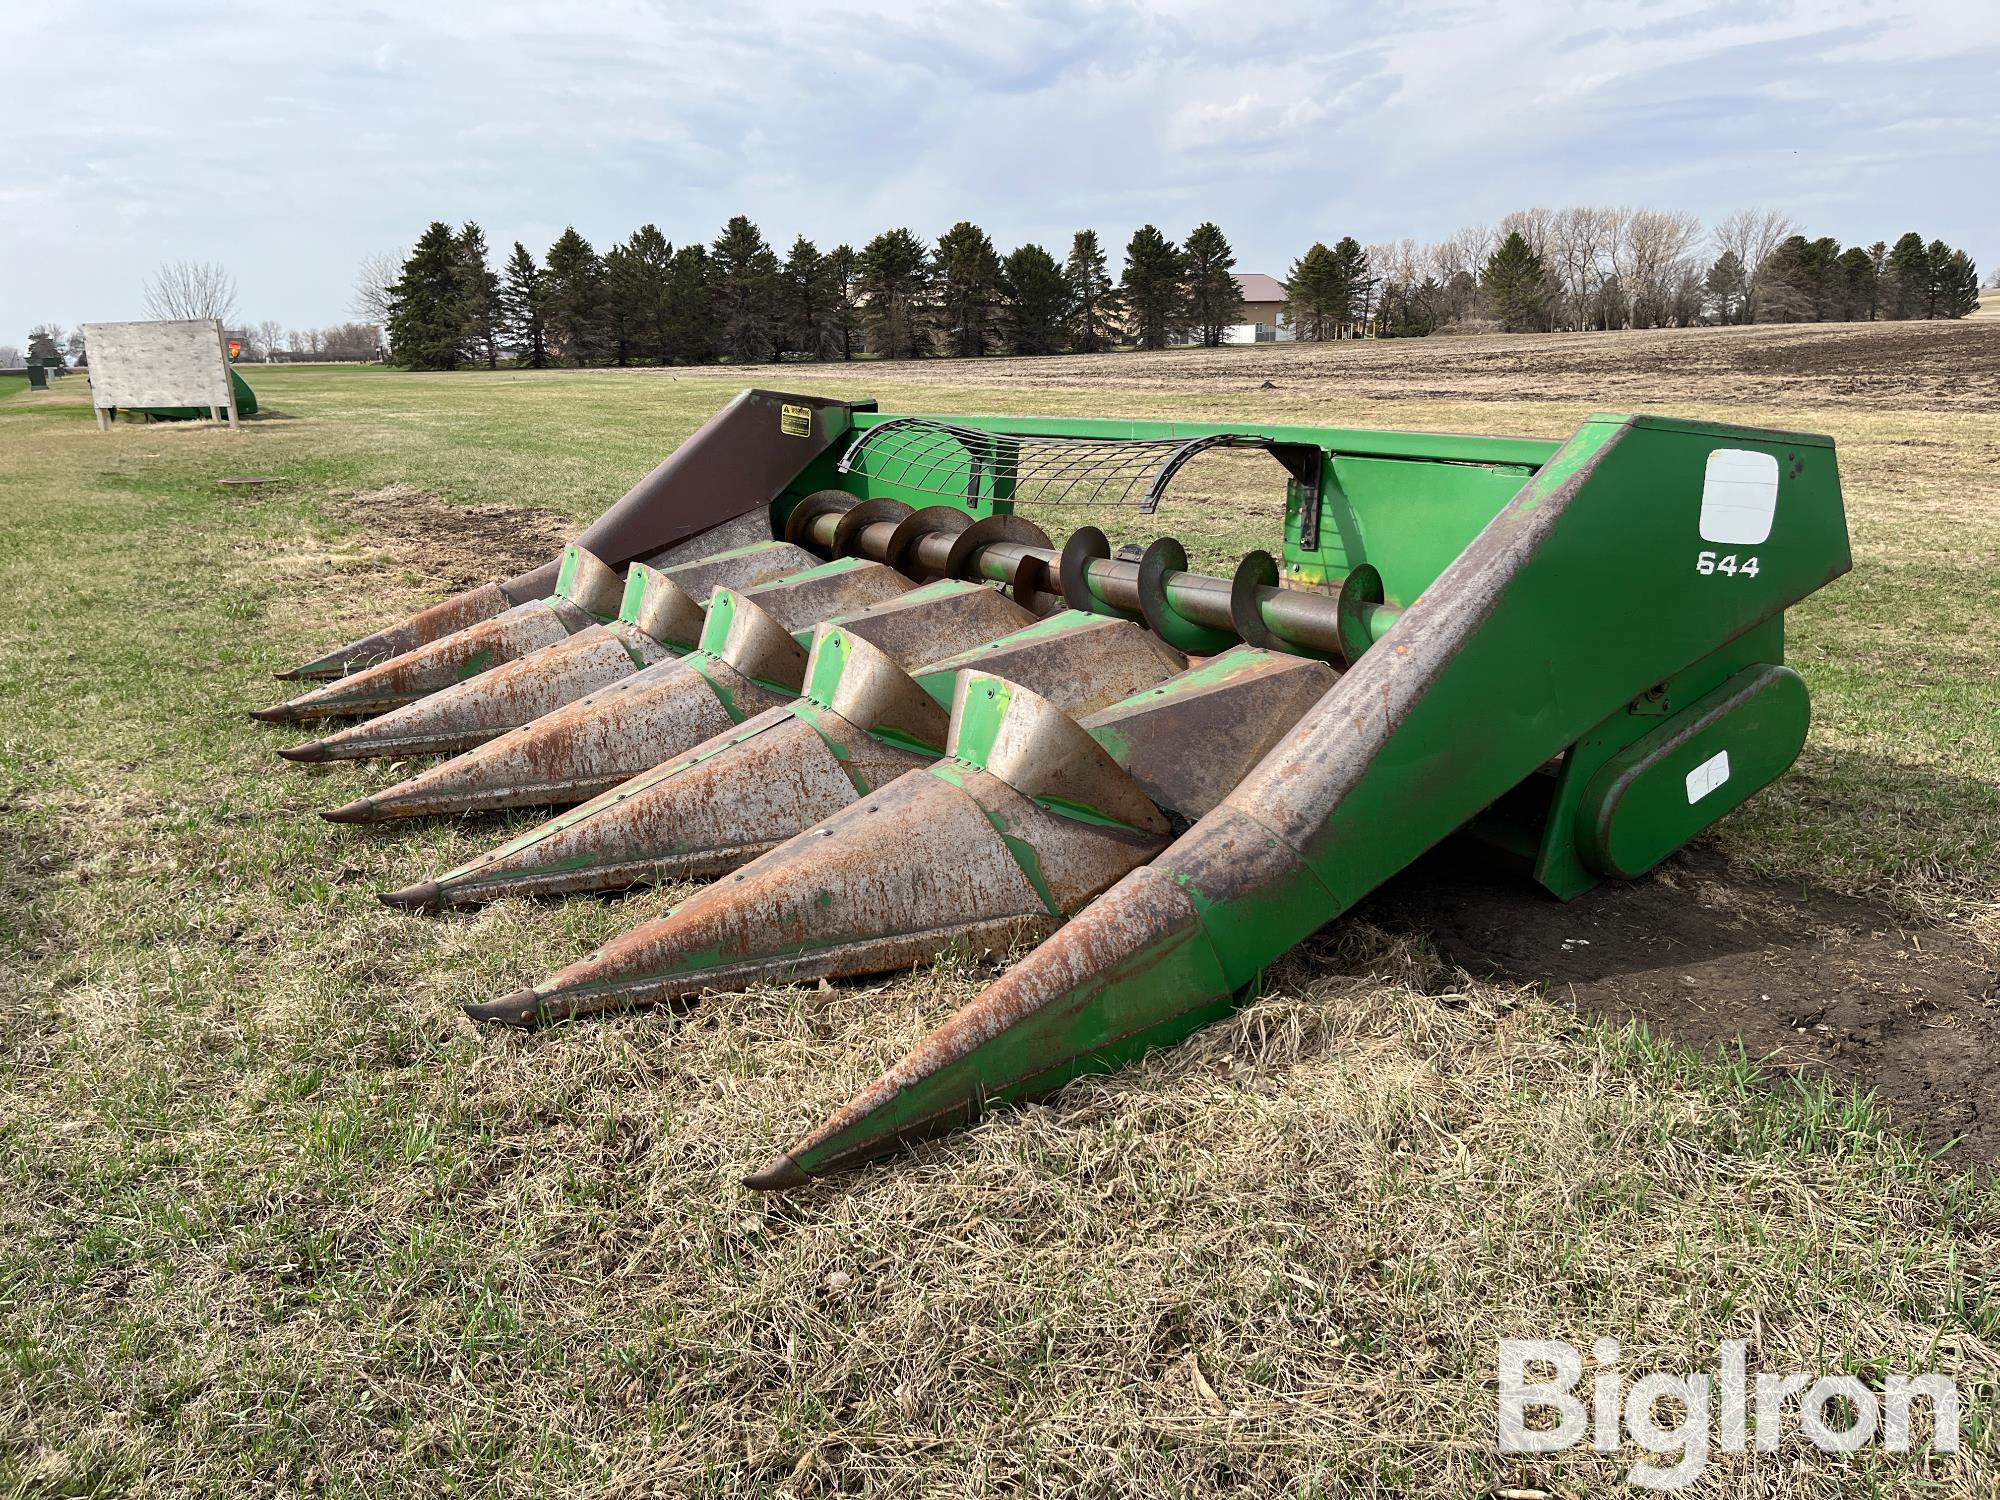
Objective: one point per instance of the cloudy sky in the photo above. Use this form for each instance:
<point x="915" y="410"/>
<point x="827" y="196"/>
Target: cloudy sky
<point x="288" y="140"/>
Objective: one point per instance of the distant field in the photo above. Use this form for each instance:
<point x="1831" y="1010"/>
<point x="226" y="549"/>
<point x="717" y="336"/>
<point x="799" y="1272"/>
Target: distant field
<point x="277" y="1220"/>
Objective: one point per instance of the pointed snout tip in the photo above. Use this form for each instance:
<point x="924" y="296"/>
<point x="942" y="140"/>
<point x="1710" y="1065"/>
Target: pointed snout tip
<point x="360" y="810"/>
<point x="425" y="895"/>
<point x="522" y="1008"/>
<point x="310" y="753"/>
<point x="277" y="713"/>
<point x="290" y="674"/>
<point x="776" y="1175"/>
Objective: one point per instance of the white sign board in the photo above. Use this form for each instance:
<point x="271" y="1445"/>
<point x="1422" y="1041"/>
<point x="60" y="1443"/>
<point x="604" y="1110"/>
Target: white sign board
<point x="159" y="364"/>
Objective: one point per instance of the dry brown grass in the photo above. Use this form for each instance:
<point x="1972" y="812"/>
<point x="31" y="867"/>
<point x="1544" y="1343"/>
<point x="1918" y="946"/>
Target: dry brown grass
<point x="277" y="1220"/>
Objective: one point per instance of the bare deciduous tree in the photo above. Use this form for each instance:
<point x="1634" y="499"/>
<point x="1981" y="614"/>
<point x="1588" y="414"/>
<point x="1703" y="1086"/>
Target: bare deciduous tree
<point x="269" y="337"/>
<point x="1535" y="225"/>
<point x="374" y="283"/>
<point x="1465" y="250"/>
<point x="191" y="289"/>
<point x="1652" y="254"/>
<point x="1582" y="255"/>
<point x="10" y="357"/>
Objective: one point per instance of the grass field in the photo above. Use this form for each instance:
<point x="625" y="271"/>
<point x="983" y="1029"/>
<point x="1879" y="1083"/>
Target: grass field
<point x="277" y="1220"/>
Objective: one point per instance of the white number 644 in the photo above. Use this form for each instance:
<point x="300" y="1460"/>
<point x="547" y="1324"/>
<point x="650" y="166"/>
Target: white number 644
<point x="1707" y="562"/>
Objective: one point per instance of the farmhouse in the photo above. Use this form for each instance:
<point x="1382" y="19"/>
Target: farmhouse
<point x="1262" y="317"/>
<point x="1264" y="304"/>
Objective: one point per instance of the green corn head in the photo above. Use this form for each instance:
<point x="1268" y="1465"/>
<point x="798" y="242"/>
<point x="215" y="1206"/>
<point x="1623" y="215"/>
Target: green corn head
<point x="821" y="658"/>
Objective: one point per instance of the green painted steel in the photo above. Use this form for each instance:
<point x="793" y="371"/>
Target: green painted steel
<point x="1639" y="565"/>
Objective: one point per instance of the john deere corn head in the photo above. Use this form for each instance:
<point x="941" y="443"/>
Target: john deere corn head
<point x="821" y="659"/>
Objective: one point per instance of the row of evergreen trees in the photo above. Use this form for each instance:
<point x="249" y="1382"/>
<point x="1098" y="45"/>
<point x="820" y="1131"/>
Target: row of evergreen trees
<point x="646" y="302"/>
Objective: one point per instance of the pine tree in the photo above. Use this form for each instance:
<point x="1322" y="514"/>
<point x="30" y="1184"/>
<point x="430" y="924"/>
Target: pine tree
<point x="1937" y="257"/>
<point x="573" y="300"/>
<point x="1727" y="288"/>
<point x="1878" y="265"/>
<point x="809" y="299"/>
<point x="1854" y="278"/>
<point x="744" y="292"/>
<point x="1956" y="286"/>
<point x="968" y="290"/>
<point x="1095" y="306"/>
<point x="636" y="284"/>
<point x="1352" y="288"/>
<point x="1036" y="295"/>
<point x="1789" y="285"/>
<point x="1312" y="296"/>
<point x="894" y="273"/>
<point x="1822" y="268"/>
<point x="478" y="298"/>
<point x="690" y="320"/>
<point x="843" y="286"/>
<point x="425" y="326"/>
<point x="521" y="310"/>
<point x="621" y="299"/>
<point x="1909" y="274"/>
<point x="1154" y="288"/>
<point x="1214" y="300"/>
<point x="1515" y="281"/>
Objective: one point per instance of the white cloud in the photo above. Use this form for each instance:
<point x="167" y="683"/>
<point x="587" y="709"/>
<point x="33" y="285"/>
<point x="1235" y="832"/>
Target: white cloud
<point x="289" y="141"/>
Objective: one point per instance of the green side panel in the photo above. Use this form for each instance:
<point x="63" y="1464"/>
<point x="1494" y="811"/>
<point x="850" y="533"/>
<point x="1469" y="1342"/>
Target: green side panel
<point x="1409" y="518"/>
<point x="1659" y="792"/>
<point x="1596" y="583"/>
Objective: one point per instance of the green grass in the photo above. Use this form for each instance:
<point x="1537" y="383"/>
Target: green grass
<point x="276" y="1220"/>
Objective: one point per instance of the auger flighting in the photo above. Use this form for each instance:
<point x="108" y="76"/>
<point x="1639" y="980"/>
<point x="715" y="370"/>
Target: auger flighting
<point x="820" y="660"/>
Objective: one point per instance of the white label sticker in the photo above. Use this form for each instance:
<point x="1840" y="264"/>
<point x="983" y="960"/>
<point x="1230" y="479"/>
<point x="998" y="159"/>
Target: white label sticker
<point x="1739" y="496"/>
<point x="1707" y="776"/>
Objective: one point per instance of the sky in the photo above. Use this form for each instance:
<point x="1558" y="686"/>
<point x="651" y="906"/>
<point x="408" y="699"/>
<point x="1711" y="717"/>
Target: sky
<point x="290" y="140"/>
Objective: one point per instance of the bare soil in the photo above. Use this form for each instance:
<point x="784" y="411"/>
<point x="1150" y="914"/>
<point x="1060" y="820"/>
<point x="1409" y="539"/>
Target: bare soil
<point x="1945" y="366"/>
<point x="456" y="545"/>
<point x="1808" y="980"/>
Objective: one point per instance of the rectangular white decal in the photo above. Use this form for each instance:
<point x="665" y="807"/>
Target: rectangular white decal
<point x="1739" y="496"/>
<point x="1707" y="776"/>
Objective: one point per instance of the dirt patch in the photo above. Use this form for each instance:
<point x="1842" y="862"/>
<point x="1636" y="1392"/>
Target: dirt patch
<point x="458" y="545"/>
<point x="1807" y="979"/>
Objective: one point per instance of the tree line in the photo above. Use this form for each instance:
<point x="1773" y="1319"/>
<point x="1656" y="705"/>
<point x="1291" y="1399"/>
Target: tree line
<point x="1604" y="268"/>
<point x="647" y="301"/>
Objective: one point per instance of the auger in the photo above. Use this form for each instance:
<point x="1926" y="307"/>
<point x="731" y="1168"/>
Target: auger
<point x="819" y="660"/>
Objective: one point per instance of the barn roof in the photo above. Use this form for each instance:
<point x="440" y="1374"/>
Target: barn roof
<point x="1255" y="286"/>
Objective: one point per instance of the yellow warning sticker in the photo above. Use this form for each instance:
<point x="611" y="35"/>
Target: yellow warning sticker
<point x="795" y="421"/>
